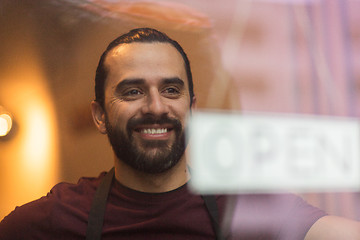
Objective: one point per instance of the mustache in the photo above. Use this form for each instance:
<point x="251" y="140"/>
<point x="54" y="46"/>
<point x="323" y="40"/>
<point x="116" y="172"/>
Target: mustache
<point x="132" y="123"/>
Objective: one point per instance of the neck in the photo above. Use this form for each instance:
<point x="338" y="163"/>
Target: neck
<point x="152" y="183"/>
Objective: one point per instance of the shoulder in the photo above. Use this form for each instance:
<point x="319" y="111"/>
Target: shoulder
<point x="65" y="205"/>
<point x="280" y="216"/>
<point x="66" y="191"/>
<point x="333" y="227"/>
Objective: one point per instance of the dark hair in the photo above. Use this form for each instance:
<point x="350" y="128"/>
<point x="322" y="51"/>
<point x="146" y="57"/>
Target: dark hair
<point x="146" y="35"/>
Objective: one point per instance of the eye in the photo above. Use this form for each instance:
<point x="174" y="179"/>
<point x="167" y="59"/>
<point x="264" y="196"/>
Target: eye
<point x="171" y="91"/>
<point x="133" y="92"/>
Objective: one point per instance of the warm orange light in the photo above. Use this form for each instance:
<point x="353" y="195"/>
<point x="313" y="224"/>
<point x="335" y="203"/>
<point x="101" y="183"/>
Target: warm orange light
<point x="29" y="166"/>
<point x="29" y="162"/>
<point x="5" y="124"/>
<point x="39" y="146"/>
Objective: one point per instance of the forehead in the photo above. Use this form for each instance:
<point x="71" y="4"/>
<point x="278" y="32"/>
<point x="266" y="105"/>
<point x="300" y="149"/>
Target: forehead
<point x="145" y="60"/>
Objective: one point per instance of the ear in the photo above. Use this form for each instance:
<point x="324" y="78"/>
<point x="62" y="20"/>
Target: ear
<point x="98" y="115"/>
<point x="193" y="104"/>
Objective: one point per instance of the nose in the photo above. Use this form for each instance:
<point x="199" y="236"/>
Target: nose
<point x="154" y="104"/>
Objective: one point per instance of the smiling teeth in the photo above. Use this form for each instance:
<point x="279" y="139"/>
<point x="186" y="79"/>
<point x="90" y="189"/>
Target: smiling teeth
<point x="155" y="131"/>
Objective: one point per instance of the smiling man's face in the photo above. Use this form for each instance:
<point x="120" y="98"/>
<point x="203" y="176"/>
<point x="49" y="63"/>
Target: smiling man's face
<point x="146" y="102"/>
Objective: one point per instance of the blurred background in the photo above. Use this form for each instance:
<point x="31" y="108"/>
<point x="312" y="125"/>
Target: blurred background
<point x="280" y="56"/>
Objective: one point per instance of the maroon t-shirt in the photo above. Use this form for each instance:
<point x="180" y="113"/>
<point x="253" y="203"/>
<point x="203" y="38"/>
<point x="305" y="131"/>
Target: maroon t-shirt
<point x="177" y="214"/>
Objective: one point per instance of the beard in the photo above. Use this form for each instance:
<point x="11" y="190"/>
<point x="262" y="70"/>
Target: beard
<point x="148" y="156"/>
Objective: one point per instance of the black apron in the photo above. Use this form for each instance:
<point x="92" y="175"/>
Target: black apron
<point x="98" y="206"/>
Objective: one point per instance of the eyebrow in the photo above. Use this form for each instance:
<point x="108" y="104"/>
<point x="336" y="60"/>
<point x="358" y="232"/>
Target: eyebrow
<point x="129" y="82"/>
<point x="139" y="81"/>
<point x="174" y="80"/>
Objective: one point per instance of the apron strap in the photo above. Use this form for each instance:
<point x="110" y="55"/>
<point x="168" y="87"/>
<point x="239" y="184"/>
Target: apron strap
<point x="98" y="207"/>
<point x="212" y="208"/>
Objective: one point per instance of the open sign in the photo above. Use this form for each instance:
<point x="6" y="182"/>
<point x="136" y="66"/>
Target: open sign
<point x="232" y="153"/>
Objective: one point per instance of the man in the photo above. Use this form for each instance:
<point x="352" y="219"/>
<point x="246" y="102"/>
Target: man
<point x="144" y="92"/>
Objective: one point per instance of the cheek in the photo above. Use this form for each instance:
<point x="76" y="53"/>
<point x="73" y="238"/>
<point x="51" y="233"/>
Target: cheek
<point x="116" y="116"/>
<point x="116" y="112"/>
<point x="181" y="111"/>
<point x="121" y="113"/>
